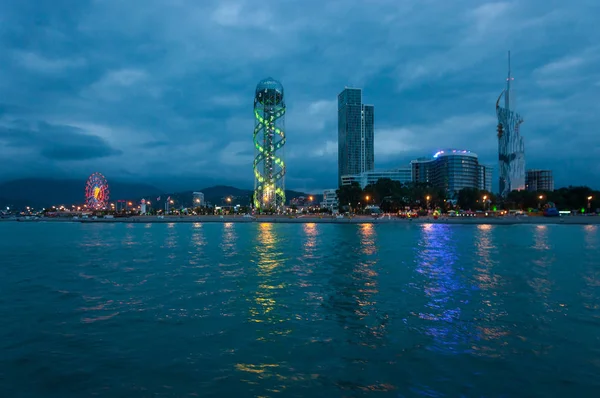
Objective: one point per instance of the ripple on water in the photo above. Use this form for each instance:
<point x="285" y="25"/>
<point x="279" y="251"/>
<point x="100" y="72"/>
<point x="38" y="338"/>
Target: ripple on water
<point x="262" y="309"/>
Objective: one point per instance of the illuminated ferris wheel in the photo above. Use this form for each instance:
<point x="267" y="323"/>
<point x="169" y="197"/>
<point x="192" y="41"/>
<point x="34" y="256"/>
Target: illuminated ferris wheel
<point x="96" y="192"/>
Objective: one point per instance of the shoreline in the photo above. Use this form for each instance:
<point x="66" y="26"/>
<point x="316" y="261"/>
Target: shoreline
<point x="535" y="220"/>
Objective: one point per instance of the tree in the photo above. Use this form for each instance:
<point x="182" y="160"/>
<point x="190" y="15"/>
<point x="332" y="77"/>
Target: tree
<point x="350" y="194"/>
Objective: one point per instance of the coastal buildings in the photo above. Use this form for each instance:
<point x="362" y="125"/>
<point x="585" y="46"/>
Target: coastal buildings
<point x="356" y="151"/>
<point x="401" y="174"/>
<point x="452" y="170"/>
<point x="330" y="200"/>
<point x="269" y="139"/>
<point x="198" y="199"/>
<point x="539" y="180"/>
<point x="511" y="148"/>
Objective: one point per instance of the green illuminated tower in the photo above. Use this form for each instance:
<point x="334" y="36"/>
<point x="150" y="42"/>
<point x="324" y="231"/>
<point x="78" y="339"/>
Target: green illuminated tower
<point x="269" y="139"/>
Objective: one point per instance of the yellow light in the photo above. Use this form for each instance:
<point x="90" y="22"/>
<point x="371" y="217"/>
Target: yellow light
<point x="484" y="197"/>
<point x="369" y="197"/>
<point x="428" y="197"/>
<point x="590" y="198"/>
<point x="541" y="197"/>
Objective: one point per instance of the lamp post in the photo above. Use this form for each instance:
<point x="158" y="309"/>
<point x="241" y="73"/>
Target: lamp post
<point x="484" y="202"/>
<point x="427" y="197"/>
<point x="589" y="202"/>
<point x="541" y="197"/>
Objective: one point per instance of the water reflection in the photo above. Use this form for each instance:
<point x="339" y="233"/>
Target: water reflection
<point x="541" y="283"/>
<point x="591" y="273"/>
<point x="490" y="312"/>
<point x="198" y="244"/>
<point x="229" y="240"/>
<point x="354" y="283"/>
<point x="436" y="262"/>
<point x="270" y="257"/>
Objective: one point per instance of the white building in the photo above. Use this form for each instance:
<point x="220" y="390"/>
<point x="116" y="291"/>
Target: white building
<point x="198" y="199"/>
<point x="330" y="200"/>
<point x="401" y="174"/>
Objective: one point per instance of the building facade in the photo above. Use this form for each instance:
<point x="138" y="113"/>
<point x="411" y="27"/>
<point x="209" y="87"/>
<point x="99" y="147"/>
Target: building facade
<point x="402" y="175"/>
<point x="511" y="148"/>
<point x="452" y="170"/>
<point x="539" y="180"/>
<point x="330" y="200"/>
<point x="198" y="199"/>
<point x="356" y="151"/>
<point x="485" y="178"/>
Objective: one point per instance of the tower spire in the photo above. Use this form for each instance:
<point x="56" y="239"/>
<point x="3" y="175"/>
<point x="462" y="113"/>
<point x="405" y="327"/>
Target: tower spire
<point x="509" y="78"/>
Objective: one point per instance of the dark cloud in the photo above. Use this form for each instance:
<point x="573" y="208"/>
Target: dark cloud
<point x="58" y="143"/>
<point x="163" y="89"/>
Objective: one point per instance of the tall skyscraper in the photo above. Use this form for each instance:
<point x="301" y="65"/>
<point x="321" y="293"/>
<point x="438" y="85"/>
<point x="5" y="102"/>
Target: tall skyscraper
<point x="511" y="149"/>
<point x="356" y="151"/>
<point x="269" y="139"/>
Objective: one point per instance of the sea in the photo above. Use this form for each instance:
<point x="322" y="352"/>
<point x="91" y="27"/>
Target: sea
<point x="299" y="310"/>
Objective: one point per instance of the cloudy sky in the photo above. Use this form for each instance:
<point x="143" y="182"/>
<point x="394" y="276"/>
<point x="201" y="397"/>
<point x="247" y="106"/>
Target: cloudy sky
<point x="162" y="91"/>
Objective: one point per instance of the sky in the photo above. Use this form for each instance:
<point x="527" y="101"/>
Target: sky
<point x="161" y="92"/>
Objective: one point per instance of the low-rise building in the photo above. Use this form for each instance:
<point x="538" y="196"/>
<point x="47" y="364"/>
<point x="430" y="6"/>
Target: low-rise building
<point x="198" y="199"/>
<point x="539" y="180"/>
<point x="330" y="200"/>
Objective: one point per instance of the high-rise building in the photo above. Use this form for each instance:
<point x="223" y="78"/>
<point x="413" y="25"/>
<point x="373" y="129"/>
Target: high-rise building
<point x="401" y="174"/>
<point x="511" y="148"/>
<point x="539" y="180"/>
<point x="356" y="151"/>
<point x="485" y="178"/>
<point x="269" y="139"/>
<point x="198" y="199"/>
<point x="451" y="170"/>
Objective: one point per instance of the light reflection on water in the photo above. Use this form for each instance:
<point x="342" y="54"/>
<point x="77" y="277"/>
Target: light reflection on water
<point x="300" y="310"/>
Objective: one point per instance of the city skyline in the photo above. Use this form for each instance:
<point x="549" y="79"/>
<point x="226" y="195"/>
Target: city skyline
<point x="156" y="97"/>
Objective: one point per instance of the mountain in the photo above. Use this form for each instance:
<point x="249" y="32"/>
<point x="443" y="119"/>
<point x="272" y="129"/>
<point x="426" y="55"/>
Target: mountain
<point x="43" y="192"/>
<point x="218" y="195"/>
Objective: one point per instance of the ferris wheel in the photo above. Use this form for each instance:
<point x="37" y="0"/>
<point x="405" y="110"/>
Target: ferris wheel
<point x="96" y="192"/>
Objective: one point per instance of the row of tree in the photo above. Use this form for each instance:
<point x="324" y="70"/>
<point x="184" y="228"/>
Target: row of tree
<point x="392" y="196"/>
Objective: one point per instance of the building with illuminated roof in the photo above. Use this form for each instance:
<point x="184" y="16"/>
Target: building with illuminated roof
<point x="452" y="170"/>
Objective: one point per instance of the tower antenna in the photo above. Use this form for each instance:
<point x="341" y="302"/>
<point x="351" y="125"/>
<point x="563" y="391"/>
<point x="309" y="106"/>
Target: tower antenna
<point x="508" y="92"/>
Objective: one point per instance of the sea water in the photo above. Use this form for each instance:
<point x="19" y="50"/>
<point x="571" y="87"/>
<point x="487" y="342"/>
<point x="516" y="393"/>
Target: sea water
<point x="320" y="310"/>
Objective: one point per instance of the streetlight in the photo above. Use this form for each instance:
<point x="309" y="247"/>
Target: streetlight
<point x="484" y="202"/>
<point x="428" y="197"/>
<point x="541" y="197"/>
<point x="590" y="202"/>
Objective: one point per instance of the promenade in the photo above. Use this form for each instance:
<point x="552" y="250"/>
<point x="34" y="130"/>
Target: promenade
<point x="508" y="220"/>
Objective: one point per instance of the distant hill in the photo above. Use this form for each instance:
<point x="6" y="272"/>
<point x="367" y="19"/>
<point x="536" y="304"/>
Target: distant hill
<point x="218" y="195"/>
<point x="42" y="192"/>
